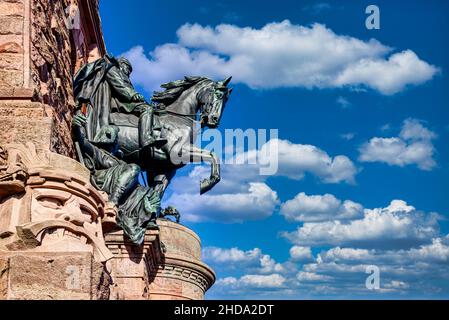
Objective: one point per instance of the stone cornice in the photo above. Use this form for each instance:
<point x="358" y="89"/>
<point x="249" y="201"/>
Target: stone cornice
<point x="186" y="269"/>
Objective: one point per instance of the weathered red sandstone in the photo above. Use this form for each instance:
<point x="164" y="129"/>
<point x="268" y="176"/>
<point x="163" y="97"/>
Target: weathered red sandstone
<point x="58" y="239"/>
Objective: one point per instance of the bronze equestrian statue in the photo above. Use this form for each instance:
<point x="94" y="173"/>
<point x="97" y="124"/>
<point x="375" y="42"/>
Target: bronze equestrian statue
<point x="119" y="135"/>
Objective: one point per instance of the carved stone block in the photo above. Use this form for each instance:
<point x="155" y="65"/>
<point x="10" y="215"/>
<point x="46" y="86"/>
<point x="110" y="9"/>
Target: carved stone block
<point x="51" y="276"/>
<point x="58" y="210"/>
<point x="132" y="265"/>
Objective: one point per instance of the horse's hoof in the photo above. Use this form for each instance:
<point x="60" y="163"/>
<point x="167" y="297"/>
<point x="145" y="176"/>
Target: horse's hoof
<point x="152" y="225"/>
<point x="204" y="186"/>
<point x="214" y="180"/>
<point x="208" y="184"/>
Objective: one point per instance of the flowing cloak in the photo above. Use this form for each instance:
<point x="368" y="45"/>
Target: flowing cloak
<point x="139" y="212"/>
<point x="105" y="88"/>
<point x="141" y="206"/>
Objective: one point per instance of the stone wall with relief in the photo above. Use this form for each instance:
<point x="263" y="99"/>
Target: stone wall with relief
<point x="59" y="239"/>
<point x="42" y="44"/>
<point x="58" y="236"/>
<point x="51" y="218"/>
<point x="51" y="234"/>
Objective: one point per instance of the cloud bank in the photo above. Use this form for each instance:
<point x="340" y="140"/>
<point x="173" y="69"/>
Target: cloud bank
<point x="243" y="193"/>
<point x="305" y="208"/>
<point x="412" y="146"/>
<point x="331" y="259"/>
<point x="397" y="225"/>
<point x="280" y="54"/>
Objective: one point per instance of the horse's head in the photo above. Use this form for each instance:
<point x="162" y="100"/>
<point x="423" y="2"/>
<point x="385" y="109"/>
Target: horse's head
<point x="212" y="100"/>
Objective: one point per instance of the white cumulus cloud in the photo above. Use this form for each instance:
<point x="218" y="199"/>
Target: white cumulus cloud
<point x="251" y="281"/>
<point x="388" y="76"/>
<point x="437" y="251"/>
<point x="412" y="146"/>
<point x="280" y="54"/>
<point x="235" y="258"/>
<point x="310" y="276"/>
<point x="233" y="255"/>
<point x="295" y="160"/>
<point x="299" y="253"/>
<point x="308" y="208"/>
<point x="257" y="203"/>
<point x="396" y="225"/>
<point x="242" y="194"/>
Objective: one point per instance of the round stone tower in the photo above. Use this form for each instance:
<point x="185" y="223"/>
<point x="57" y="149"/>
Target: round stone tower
<point x="181" y="273"/>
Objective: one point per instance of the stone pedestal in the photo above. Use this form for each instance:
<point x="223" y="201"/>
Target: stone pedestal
<point x="181" y="275"/>
<point x="167" y="267"/>
<point x="52" y="276"/>
<point x="132" y="265"/>
<point x="51" y="238"/>
<point x="52" y="244"/>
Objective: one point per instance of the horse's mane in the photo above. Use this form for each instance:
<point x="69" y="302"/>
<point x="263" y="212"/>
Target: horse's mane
<point x="174" y="89"/>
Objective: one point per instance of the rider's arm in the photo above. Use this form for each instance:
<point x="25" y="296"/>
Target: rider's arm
<point x="122" y="88"/>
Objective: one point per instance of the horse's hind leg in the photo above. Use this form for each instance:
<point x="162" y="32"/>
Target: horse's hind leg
<point x="161" y="182"/>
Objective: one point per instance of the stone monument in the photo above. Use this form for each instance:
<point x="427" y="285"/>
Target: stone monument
<point x="63" y="233"/>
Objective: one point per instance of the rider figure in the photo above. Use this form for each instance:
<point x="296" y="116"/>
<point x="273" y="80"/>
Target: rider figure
<point x="105" y="86"/>
<point x="137" y="106"/>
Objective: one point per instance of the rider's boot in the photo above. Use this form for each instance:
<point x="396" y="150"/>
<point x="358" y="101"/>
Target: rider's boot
<point x="146" y="136"/>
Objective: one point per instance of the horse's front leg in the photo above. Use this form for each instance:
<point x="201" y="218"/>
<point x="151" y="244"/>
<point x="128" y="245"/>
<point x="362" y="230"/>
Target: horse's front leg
<point x="196" y="154"/>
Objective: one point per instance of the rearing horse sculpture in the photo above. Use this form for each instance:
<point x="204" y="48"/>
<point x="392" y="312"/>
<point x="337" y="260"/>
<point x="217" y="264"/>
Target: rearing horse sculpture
<point x="115" y="155"/>
<point x="181" y="102"/>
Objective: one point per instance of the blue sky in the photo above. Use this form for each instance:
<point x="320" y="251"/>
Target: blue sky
<point x="363" y="115"/>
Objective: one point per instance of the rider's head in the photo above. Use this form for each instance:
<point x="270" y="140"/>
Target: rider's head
<point x="125" y="65"/>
